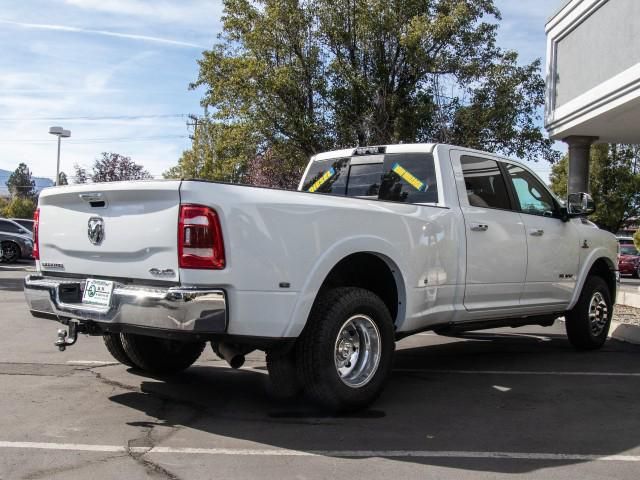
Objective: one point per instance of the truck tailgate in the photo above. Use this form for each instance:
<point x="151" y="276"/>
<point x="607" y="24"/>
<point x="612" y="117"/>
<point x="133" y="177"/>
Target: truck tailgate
<point x="139" y="230"/>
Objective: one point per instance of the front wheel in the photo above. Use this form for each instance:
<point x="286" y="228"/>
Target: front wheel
<point x="10" y="252"/>
<point x="158" y="355"/>
<point x="345" y="353"/>
<point x="588" y="322"/>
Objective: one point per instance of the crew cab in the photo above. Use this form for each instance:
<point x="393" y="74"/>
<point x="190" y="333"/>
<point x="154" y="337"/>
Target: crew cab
<point x="378" y="243"/>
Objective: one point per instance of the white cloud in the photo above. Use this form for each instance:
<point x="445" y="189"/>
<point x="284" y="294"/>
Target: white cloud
<point x="130" y="36"/>
<point x="202" y="12"/>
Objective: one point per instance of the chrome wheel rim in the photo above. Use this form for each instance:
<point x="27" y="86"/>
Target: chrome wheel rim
<point x="598" y="314"/>
<point x="357" y="351"/>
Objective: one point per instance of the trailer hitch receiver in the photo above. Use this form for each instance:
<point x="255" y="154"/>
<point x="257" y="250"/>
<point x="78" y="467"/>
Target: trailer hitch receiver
<point x="66" y="339"/>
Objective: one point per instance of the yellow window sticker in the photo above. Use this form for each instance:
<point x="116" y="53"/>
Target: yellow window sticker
<point x="318" y="183"/>
<point x="409" y="178"/>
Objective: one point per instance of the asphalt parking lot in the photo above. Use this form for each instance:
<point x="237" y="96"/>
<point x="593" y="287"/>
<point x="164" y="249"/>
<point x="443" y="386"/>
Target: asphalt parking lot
<point x="491" y="405"/>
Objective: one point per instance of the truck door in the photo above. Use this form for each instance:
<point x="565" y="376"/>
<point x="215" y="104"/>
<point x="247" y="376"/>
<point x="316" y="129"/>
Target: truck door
<point x="496" y="260"/>
<point x="553" y="246"/>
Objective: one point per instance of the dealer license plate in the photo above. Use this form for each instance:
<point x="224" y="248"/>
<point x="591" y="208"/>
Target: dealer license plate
<point x="97" y="292"/>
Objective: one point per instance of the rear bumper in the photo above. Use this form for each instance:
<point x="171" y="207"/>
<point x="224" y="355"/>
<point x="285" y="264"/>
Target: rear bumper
<point x="171" y="309"/>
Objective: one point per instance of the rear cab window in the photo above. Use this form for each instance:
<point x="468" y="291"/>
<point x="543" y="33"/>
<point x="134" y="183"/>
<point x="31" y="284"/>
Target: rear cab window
<point x="394" y="177"/>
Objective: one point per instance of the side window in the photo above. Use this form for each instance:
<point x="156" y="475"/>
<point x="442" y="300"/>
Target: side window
<point x="327" y="176"/>
<point x="364" y="180"/>
<point x="484" y="183"/>
<point x="410" y="178"/>
<point x="7" y="227"/>
<point x="533" y="197"/>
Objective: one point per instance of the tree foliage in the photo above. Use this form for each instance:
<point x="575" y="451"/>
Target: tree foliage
<point x="111" y="167"/>
<point x="19" y="207"/>
<point x="20" y="183"/>
<point x="293" y="78"/>
<point x="614" y="182"/>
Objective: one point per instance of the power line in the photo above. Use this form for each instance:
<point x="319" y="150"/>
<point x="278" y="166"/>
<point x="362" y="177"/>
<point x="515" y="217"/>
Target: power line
<point x="89" y="141"/>
<point x="95" y="117"/>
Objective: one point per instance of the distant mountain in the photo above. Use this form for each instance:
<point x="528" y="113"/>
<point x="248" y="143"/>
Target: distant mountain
<point x="40" y="182"/>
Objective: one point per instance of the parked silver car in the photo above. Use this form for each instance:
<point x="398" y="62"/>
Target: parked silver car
<point x="11" y="226"/>
<point x="15" y="246"/>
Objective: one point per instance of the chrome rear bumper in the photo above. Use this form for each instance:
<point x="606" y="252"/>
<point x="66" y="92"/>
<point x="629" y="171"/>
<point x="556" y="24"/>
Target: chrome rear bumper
<point x="179" y="309"/>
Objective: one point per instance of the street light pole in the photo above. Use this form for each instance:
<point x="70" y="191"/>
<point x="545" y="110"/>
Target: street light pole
<point x="60" y="133"/>
<point x="58" y="164"/>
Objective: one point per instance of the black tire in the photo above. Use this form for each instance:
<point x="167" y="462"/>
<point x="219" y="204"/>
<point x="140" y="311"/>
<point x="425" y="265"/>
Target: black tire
<point x="10" y="252"/>
<point x="113" y="342"/>
<point x="583" y="333"/>
<point x="160" y="356"/>
<point x="283" y="374"/>
<point x="316" y="349"/>
<point x="636" y="274"/>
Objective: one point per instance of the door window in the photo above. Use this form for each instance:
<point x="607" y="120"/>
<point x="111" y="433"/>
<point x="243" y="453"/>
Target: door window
<point x="9" y="227"/>
<point x="533" y="198"/>
<point x="484" y="183"/>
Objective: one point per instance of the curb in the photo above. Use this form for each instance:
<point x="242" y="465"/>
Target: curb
<point x="630" y="299"/>
<point x="625" y="332"/>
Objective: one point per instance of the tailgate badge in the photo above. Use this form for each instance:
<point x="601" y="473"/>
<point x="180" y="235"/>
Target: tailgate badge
<point x="165" y="272"/>
<point x="96" y="230"/>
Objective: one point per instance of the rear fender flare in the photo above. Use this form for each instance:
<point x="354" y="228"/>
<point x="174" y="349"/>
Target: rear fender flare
<point x="330" y="259"/>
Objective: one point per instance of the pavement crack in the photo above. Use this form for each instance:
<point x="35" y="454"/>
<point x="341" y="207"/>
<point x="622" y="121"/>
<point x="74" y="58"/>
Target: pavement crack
<point x="151" y="467"/>
<point x="138" y="448"/>
<point x="112" y="383"/>
<point x="49" y="472"/>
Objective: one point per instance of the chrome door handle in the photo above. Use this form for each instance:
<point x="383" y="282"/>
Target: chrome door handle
<point x="479" y="227"/>
<point x="536" y="232"/>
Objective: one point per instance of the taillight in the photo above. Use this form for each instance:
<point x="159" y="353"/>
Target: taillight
<point x="200" y="242"/>
<point x="36" y="226"/>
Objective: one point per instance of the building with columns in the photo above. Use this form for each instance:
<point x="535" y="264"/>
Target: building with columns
<point x="593" y="78"/>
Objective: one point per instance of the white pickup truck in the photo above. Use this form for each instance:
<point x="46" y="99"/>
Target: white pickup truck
<point x="377" y="243"/>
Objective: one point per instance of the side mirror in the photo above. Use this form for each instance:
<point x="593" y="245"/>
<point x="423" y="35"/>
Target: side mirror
<point x="580" y="204"/>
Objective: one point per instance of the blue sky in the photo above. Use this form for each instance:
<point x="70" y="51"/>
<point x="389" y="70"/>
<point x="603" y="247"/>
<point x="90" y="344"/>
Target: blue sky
<point x="116" y="73"/>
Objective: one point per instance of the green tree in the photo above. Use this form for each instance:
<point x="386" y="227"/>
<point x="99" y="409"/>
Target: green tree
<point x="614" y="182"/>
<point x="295" y="78"/>
<point x="80" y="174"/>
<point x="111" y="167"/>
<point x="19" y="207"/>
<point x="20" y="183"/>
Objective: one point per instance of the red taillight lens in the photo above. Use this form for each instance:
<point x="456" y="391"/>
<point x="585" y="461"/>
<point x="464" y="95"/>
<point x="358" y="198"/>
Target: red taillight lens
<point x="36" y="227"/>
<point x="200" y="242"/>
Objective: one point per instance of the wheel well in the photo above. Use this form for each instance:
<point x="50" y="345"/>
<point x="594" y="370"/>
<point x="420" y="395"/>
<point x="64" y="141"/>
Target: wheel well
<point x="603" y="268"/>
<point x="369" y="271"/>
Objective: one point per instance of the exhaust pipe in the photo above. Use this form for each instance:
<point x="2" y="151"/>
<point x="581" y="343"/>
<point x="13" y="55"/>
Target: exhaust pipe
<point x="233" y="356"/>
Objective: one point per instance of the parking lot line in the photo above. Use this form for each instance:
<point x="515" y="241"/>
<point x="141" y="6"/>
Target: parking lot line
<point x="90" y="362"/>
<point x="518" y="372"/>
<point x="272" y="452"/>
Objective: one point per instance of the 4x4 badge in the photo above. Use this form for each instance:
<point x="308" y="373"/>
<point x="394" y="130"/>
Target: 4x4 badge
<point x="95" y="230"/>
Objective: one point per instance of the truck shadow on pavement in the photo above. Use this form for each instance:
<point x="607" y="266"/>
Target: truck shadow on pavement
<point x="495" y="393"/>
